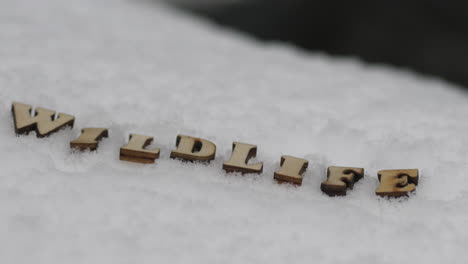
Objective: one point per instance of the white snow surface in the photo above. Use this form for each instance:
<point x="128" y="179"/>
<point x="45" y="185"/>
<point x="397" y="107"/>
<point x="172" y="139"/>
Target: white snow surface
<point x="141" y="67"/>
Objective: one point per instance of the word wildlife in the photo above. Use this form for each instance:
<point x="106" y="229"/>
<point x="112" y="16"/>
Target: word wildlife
<point x="393" y="183"/>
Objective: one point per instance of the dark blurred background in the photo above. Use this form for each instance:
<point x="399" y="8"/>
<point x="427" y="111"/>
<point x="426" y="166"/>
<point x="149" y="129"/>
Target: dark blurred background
<point x="427" y="36"/>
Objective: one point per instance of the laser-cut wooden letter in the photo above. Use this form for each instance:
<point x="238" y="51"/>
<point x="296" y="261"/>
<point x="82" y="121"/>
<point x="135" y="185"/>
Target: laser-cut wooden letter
<point x="397" y="183"/>
<point x="193" y="149"/>
<point x="42" y="121"/>
<point x="291" y="170"/>
<point x="241" y="154"/>
<point x="89" y="138"/>
<point x="339" y="179"/>
<point x="135" y="150"/>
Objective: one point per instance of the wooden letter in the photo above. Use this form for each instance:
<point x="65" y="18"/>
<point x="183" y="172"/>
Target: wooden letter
<point x="135" y="150"/>
<point x="193" y="149"/>
<point x="291" y="170"/>
<point x="397" y="183"/>
<point x="241" y="154"/>
<point x="89" y="138"/>
<point x="43" y="120"/>
<point x="339" y="179"/>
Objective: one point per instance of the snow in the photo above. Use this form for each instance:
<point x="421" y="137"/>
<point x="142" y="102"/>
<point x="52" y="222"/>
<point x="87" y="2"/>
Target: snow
<point x="141" y="67"/>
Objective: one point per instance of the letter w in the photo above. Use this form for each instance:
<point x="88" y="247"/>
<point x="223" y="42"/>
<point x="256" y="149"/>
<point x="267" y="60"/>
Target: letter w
<point x="43" y="121"/>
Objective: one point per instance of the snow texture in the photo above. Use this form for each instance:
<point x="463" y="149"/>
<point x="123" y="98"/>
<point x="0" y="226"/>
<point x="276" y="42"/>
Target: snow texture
<point x="141" y="67"/>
